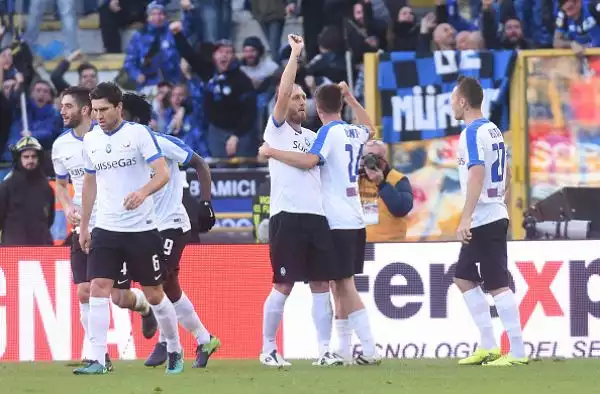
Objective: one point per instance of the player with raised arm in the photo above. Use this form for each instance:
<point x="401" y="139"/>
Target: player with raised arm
<point x="118" y="158"/>
<point x="483" y="227"/>
<point x="174" y="226"/>
<point x="299" y="238"/>
<point x="67" y="158"/>
<point x="337" y="149"/>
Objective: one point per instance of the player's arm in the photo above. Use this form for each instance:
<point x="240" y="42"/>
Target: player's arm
<point x="286" y="85"/>
<point x="62" y="186"/>
<point x="300" y="160"/>
<point x="361" y="115"/>
<point x="88" y="197"/>
<point x="160" y="178"/>
<point x="476" y="166"/>
<point x="508" y="185"/>
<point x="203" y="174"/>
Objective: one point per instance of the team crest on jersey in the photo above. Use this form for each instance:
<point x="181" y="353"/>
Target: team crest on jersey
<point x="461" y="161"/>
<point x="307" y="142"/>
<point x="108" y="148"/>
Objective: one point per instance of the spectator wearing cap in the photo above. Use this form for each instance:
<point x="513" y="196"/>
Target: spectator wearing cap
<point x="230" y="107"/>
<point x="26" y="198"/>
<point x="116" y="15"/>
<point x="44" y="120"/>
<point x="88" y="74"/>
<point x="152" y="55"/>
<point x="271" y="16"/>
<point x="255" y="64"/>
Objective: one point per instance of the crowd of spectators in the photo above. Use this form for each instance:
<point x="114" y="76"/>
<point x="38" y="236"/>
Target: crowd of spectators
<point x="217" y="102"/>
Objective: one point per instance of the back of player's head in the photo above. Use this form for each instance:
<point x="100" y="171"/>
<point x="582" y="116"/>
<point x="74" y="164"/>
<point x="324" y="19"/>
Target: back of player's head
<point x="329" y="99"/>
<point x="470" y="89"/>
<point x="108" y="91"/>
<point x="80" y="94"/>
<point x="137" y="108"/>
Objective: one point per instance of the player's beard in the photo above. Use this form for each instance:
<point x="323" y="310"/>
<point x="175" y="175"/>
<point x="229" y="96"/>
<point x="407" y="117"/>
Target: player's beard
<point x="298" y="117"/>
<point x="74" y="122"/>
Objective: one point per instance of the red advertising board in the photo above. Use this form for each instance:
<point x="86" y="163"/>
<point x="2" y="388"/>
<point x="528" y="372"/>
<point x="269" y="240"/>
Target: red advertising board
<point x="39" y="311"/>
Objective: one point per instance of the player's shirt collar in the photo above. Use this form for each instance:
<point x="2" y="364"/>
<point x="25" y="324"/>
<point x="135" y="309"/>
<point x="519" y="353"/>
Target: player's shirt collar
<point x="115" y="130"/>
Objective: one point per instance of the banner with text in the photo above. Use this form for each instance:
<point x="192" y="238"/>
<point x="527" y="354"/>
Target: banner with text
<point x="415" y="91"/>
<point x="415" y="311"/>
<point x="407" y="289"/>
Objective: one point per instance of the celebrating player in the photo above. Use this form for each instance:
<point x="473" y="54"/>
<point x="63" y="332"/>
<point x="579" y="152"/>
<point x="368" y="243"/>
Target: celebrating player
<point x="299" y="237"/>
<point x="67" y="158"/>
<point x="483" y="227"/>
<point x="338" y="148"/>
<point x="174" y="226"/>
<point x="125" y="237"/>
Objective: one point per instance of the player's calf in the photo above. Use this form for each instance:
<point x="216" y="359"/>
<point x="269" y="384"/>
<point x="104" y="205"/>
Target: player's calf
<point x="167" y="320"/>
<point x="135" y="300"/>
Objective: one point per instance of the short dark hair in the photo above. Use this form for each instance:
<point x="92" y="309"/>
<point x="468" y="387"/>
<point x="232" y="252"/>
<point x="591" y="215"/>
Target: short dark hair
<point x="137" y="107"/>
<point x="471" y="90"/>
<point x="108" y="91"/>
<point x="329" y="98"/>
<point x="80" y="94"/>
<point x="86" y="66"/>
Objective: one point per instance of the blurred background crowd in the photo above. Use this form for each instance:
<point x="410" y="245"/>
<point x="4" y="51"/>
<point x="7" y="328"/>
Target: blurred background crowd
<point x="211" y="68"/>
<point x="186" y="56"/>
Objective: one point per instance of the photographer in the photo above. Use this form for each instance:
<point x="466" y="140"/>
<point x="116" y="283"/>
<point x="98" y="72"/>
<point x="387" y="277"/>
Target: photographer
<point x="385" y="194"/>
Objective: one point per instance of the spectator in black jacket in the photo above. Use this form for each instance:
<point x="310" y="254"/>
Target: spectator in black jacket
<point x="511" y="36"/>
<point x="329" y="65"/>
<point x="404" y="31"/>
<point x="88" y="74"/>
<point x="230" y="107"/>
<point x="26" y="198"/>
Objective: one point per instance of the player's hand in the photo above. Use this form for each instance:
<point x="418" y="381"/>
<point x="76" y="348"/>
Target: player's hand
<point x="206" y="216"/>
<point x="265" y="150"/>
<point x="297" y="44"/>
<point x="73" y="215"/>
<point x="176" y="27"/>
<point x="290" y="8"/>
<point x="134" y="200"/>
<point x="231" y="145"/>
<point x="345" y="89"/>
<point x="85" y="240"/>
<point x="463" y="232"/>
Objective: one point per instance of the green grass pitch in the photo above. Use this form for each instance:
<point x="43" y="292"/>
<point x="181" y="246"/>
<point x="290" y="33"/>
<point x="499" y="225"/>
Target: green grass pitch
<point x="247" y="377"/>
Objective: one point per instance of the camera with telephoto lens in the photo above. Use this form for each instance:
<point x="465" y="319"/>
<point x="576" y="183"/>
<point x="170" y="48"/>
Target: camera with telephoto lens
<point x="371" y="161"/>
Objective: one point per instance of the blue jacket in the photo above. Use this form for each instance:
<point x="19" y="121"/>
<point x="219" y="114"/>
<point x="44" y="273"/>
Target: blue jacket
<point x="45" y="124"/>
<point x="163" y="62"/>
<point x="537" y="20"/>
<point x="192" y="133"/>
<point x="586" y="30"/>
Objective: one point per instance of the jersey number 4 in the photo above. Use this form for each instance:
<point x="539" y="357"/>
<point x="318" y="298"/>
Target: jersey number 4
<point x="353" y="162"/>
<point x="498" y="165"/>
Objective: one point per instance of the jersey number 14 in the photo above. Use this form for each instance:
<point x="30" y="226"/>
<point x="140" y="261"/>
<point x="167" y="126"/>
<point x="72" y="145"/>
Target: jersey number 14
<point x="353" y="162"/>
<point x="498" y="165"/>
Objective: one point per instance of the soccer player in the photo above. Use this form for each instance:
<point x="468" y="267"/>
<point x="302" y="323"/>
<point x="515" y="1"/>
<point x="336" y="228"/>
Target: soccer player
<point x="116" y="154"/>
<point x="67" y="158"/>
<point x="299" y="238"/>
<point x="337" y="149"/>
<point x="174" y="226"/>
<point x="483" y="226"/>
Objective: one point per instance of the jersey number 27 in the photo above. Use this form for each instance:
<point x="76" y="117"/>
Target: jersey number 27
<point x="498" y="165"/>
<point x="353" y="162"/>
